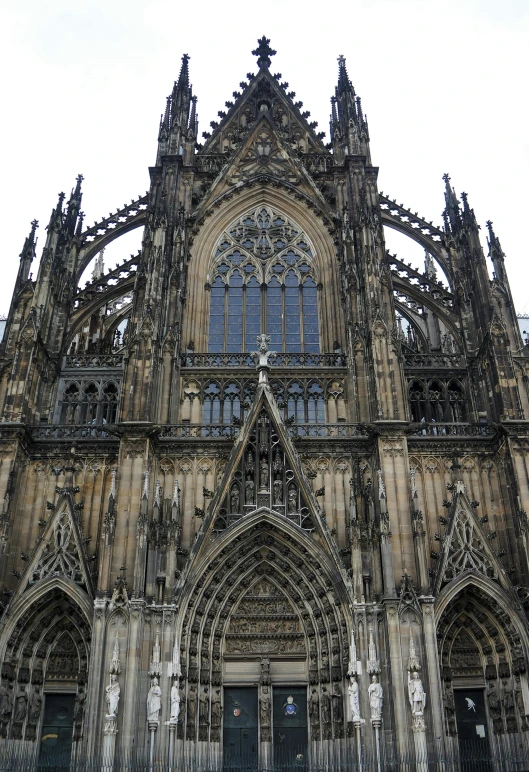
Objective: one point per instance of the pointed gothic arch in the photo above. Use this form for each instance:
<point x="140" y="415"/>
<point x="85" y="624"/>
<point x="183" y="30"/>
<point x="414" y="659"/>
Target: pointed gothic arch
<point x="220" y="625"/>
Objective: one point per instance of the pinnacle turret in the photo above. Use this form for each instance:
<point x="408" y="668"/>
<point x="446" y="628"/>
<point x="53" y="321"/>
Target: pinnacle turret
<point x="452" y="210"/>
<point x="348" y="125"/>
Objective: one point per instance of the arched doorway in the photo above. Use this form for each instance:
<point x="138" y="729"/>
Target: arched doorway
<point x="263" y="631"/>
<point x="483" y="669"/>
<point x="44" y="672"/>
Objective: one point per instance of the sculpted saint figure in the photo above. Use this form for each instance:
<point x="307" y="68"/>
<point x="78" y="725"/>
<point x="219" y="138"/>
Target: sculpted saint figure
<point x="154" y="701"/>
<point x="417" y="694"/>
<point x="21" y="706"/>
<point x="192" y="705"/>
<point x="325" y="706"/>
<point x="314" y="707"/>
<point x="112" y="696"/>
<point x="376" y="697"/>
<point x="35" y="704"/>
<point x="354" y="697"/>
<point x="175" y="702"/>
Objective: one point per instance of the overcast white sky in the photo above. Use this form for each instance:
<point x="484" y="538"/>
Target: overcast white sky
<point x="444" y="85"/>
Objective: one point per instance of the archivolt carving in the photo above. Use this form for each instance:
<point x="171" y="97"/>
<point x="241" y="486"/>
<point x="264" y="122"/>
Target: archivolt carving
<point x="50" y="642"/>
<point x="264" y="594"/>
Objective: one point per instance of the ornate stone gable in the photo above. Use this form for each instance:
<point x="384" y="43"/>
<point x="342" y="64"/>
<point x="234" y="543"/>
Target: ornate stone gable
<point x="263" y="155"/>
<point x="466" y="546"/>
<point x="262" y="96"/>
<point x="59" y="551"/>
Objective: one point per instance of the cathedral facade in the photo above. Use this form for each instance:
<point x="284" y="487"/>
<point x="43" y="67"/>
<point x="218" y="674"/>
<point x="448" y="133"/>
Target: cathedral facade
<point x="264" y="484"/>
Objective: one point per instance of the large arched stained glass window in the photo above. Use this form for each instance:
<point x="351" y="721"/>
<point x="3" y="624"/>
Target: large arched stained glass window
<point x="264" y="281"/>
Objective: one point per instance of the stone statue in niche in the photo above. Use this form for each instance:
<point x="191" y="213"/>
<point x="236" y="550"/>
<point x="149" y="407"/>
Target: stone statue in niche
<point x="35" y="705"/>
<point x="263" y="474"/>
<point x="175" y="703"/>
<point x="278" y="492"/>
<point x="21" y="706"/>
<point x="154" y="701"/>
<point x="112" y="696"/>
<point x="325" y="706"/>
<point x="6" y="703"/>
<point x="250" y="491"/>
<point x="78" y="709"/>
<point x="265" y="707"/>
<point x="508" y="698"/>
<point x="204" y="707"/>
<point x="493" y="700"/>
<point x="376" y="698"/>
<point x="314" y="707"/>
<point x="416" y="693"/>
<point x="192" y="705"/>
<point x="354" y="697"/>
<point x="292" y="500"/>
<point x="216" y="710"/>
<point x="337" y="705"/>
<point x="235" y="499"/>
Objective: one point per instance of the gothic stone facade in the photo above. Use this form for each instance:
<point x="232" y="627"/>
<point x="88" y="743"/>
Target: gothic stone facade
<point x="189" y="527"/>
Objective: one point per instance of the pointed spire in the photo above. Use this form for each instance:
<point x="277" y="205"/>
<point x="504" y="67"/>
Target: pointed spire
<point x="57" y="212"/>
<point x="192" y="129"/>
<point x="413" y="661"/>
<point x="496" y="254"/>
<point x="452" y="204"/>
<point x="28" y="250"/>
<point x="373" y="663"/>
<point x="145" y="491"/>
<point x="353" y="656"/>
<point x="27" y="255"/>
<point x="74" y="204"/>
<point x="181" y="92"/>
<point x="344" y="84"/>
<point x="115" y="665"/>
<point x="264" y="53"/>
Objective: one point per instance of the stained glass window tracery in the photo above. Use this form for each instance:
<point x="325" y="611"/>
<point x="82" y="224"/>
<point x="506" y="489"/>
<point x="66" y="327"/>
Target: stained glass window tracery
<point x="264" y="281"/>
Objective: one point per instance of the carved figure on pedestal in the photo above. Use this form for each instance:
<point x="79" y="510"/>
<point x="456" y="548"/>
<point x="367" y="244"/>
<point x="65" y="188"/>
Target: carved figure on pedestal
<point x="216" y="710"/>
<point x="314" y="707"/>
<point x="337" y="705"/>
<point x="6" y="702"/>
<point x="508" y="698"/>
<point x="265" y="707"/>
<point x="235" y="499"/>
<point x="204" y="707"/>
<point x="278" y="492"/>
<point x="192" y="705"/>
<point x="250" y="491"/>
<point x="21" y="706"/>
<point x="354" y="697"/>
<point x="376" y="698"/>
<point x="416" y="693"/>
<point x="35" y="705"/>
<point x="493" y="700"/>
<point x="263" y="474"/>
<point x="154" y="701"/>
<point x="112" y="696"/>
<point x="175" y="702"/>
<point x="325" y="706"/>
<point x="292" y="500"/>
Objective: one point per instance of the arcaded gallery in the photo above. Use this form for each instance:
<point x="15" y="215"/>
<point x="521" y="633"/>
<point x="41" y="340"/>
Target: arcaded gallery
<point x="264" y="483"/>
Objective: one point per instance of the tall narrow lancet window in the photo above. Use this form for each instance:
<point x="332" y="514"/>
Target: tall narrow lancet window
<point x="264" y="280"/>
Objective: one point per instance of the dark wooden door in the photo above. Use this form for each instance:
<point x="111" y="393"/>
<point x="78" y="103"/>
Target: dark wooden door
<point x="240" y="739"/>
<point x="290" y="727"/>
<point x="57" y="731"/>
<point x="472" y="729"/>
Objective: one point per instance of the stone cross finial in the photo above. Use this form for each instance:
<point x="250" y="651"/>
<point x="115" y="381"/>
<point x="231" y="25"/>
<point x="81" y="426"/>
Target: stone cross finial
<point x="264" y="52"/>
